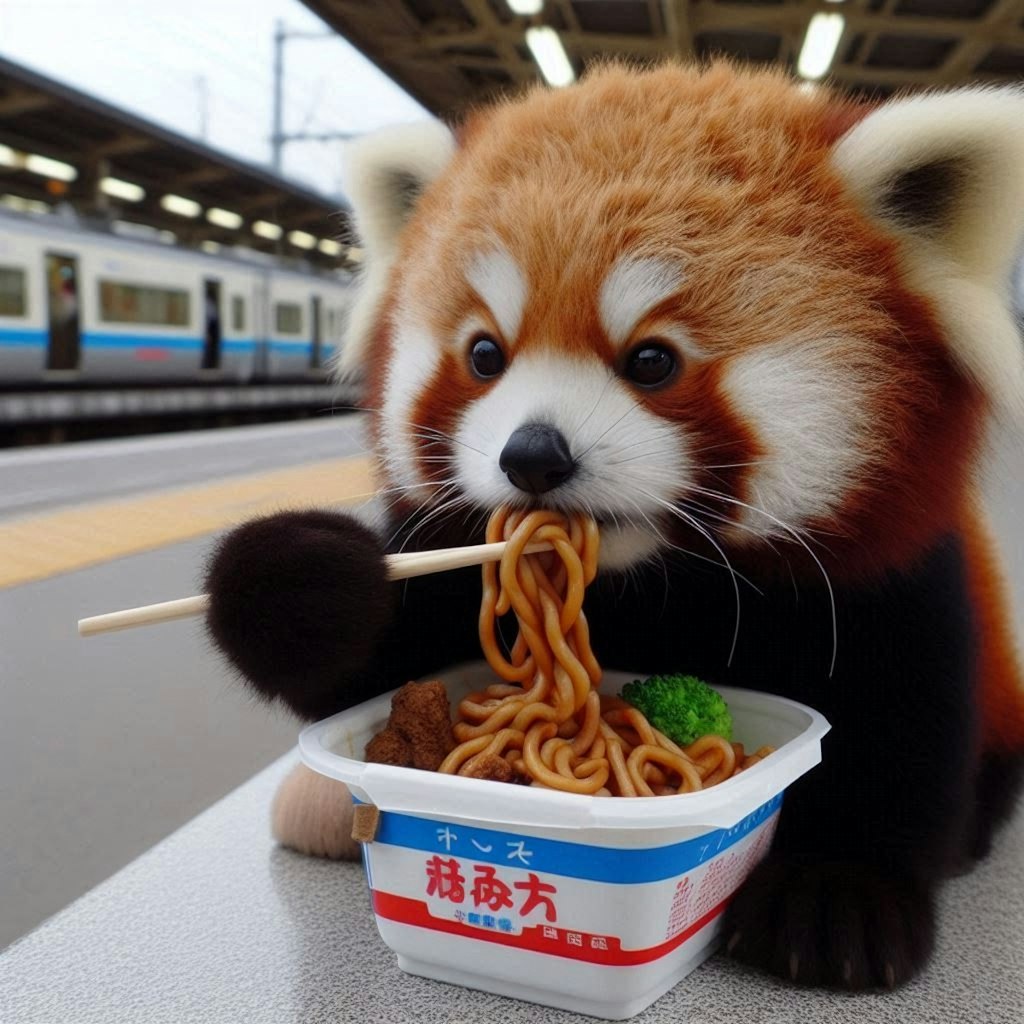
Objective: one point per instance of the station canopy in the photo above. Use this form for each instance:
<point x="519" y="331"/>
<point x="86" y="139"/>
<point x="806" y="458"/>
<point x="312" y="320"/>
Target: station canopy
<point x="60" y="145"/>
<point x="450" y="54"/>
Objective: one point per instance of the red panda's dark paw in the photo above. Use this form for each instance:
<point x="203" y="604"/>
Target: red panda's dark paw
<point x="297" y="602"/>
<point x="834" y="925"/>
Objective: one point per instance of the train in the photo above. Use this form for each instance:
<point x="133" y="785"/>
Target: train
<point x="81" y="306"/>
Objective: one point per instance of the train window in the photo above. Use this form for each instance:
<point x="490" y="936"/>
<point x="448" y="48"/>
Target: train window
<point x="237" y="313"/>
<point x="140" y="304"/>
<point x="12" y="291"/>
<point x="288" y="318"/>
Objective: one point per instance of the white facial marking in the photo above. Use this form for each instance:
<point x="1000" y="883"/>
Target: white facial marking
<point x="499" y="282"/>
<point x="810" y="412"/>
<point x="629" y="461"/>
<point x="631" y="290"/>
<point x="408" y="374"/>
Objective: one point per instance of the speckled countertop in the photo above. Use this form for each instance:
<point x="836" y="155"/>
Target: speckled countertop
<point x="215" y="925"/>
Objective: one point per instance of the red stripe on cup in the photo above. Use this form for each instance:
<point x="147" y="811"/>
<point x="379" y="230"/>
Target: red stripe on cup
<point x="605" y="950"/>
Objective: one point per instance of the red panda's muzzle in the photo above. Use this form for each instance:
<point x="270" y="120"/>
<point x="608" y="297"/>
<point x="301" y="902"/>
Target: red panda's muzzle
<point x="536" y="458"/>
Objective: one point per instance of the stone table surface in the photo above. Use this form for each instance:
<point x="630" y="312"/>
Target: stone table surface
<point x="216" y="924"/>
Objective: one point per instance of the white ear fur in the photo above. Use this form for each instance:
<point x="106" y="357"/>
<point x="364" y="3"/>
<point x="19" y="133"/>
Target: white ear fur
<point x="385" y="172"/>
<point x="946" y="173"/>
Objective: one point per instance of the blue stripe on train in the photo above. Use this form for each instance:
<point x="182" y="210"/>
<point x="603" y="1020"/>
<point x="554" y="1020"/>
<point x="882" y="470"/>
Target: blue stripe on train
<point x="574" y="860"/>
<point x="90" y="339"/>
<point x="33" y="338"/>
<point x="291" y="348"/>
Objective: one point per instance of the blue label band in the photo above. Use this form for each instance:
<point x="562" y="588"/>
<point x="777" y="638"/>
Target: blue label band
<point x="573" y="860"/>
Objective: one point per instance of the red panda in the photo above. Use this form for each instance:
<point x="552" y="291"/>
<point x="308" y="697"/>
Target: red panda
<point x="759" y="332"/>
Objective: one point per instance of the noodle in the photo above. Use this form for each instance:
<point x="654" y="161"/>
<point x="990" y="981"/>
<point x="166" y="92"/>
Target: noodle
<point x="546" y="719"/>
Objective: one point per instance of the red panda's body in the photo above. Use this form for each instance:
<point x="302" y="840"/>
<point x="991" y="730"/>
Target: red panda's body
<point x="759" y="333"/>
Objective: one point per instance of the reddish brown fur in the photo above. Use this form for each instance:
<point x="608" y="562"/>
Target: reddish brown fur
<point x="727" y="173"/>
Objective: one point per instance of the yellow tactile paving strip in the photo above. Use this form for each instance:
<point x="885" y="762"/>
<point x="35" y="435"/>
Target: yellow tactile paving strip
<point x="38" y="547"/>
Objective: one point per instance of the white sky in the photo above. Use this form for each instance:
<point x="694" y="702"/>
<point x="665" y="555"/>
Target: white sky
<point x="147" y="56"/>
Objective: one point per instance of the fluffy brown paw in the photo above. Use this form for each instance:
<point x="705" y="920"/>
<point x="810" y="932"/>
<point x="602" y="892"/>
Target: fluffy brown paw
<point x="832" y="925"/>
<point x="313" y="815"/>
<point x="298" y="602"/>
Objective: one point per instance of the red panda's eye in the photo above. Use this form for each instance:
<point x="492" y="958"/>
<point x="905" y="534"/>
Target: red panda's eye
<point x="486" y="356"/>
<point x="650" y="364"/>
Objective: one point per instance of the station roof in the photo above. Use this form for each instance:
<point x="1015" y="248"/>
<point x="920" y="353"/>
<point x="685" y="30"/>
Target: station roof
<point x="449" y="54"/>
<point x="43" y="118"/>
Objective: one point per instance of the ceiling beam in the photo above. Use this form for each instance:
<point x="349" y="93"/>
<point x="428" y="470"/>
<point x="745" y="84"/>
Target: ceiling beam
<point x="23" y="102"/>
<point x="123" y="145"/>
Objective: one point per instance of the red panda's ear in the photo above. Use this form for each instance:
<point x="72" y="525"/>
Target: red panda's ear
<point x="385" y="174"/>
<point x="945" y="172"/>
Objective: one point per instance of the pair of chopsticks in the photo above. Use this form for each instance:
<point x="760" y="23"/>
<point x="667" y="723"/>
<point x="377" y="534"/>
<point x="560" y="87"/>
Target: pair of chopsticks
<point x="400" y="567"/>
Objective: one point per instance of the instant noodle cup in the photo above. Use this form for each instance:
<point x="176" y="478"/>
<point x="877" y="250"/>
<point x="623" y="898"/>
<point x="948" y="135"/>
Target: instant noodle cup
<point x="593" y="904"/>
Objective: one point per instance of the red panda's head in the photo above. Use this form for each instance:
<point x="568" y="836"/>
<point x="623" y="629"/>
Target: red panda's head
<point x="707" y="298"/>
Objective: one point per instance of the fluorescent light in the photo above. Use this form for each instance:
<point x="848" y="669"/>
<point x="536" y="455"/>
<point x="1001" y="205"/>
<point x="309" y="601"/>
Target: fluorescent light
<point x="119" y="189"/>
<point x="329" y="247"/>
<point x="525" y="6"/>
<point x="820" y="45"/>
<point x="41" y="165"/>
<point x="550" y="55"/>
<point x="210" y="246"/>
<point x="302" y="239"/>
<point x="181" y="206"/>
<point x="224" y="218"/>
<point x="265" y="229"/>
<point x="47" y="168"/>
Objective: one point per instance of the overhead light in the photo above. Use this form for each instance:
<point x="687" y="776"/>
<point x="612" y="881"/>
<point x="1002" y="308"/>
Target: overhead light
<point x="210" y="246"/>
<point x="181" y="206"/>
<point x="329" y="247"/>
<point x="550" y="55"/>
<point x="224" y="218"/>
<point x="820" y="45"/>
<point x="525" y="6"/>
<point x="41" y="165"/>
<point x="119" y="189"/>
<point x="303" y="239"/>
<point x="354" y="255"/>
<point x="47" y="168"/>
<point x="265" y="229"/>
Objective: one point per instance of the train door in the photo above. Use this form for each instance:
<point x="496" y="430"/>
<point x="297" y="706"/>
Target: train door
<point x="316" y="352"/>
<point x="212" y="322"/>
<point x="261" y="327"/>
<point x="64" y="349"/>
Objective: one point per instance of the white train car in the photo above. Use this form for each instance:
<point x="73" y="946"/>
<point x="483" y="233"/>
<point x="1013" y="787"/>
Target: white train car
<point x="90" y="307"/>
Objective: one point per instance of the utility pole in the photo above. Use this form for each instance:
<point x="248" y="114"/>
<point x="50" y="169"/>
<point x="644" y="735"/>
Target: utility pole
<point x="202" y="88"/>
<point x="278" y="136"/>
<point x="276" y="140"/>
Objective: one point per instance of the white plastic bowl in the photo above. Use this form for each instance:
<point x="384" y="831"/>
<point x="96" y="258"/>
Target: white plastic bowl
<point x="597" y="905"/>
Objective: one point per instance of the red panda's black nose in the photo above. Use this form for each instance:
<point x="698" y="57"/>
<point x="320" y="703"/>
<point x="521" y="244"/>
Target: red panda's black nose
<point x="536" y="458"/>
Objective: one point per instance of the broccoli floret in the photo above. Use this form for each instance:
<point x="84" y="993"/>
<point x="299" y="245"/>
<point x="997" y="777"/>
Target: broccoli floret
<point x="682" y="707"/>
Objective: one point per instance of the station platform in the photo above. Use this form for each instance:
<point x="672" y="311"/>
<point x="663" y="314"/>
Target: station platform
<point x="108" y="744"/>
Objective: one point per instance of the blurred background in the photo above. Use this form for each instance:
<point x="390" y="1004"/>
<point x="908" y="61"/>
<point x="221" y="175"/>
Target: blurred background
<point x="176" y="267"/>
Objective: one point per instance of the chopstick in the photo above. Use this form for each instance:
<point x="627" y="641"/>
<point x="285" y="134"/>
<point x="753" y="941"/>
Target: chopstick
<point x="400" y="567"/>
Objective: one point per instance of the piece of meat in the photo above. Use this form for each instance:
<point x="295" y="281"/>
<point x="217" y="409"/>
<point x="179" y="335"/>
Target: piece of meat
<point x="418" y="733"/>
